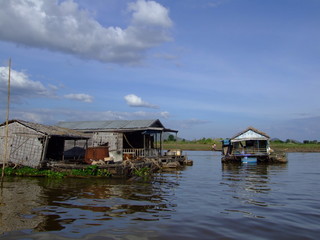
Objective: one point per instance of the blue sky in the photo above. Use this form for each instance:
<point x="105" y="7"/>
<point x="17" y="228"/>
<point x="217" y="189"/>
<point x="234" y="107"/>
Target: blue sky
<point x="208" y="68"/>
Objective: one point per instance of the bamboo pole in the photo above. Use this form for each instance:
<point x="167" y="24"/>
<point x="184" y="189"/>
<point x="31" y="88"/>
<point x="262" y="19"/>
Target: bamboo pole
<point x="5" y="159"/>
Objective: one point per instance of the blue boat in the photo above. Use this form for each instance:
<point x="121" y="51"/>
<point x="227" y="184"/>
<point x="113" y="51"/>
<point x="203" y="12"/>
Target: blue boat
<point x="249" y="159"/>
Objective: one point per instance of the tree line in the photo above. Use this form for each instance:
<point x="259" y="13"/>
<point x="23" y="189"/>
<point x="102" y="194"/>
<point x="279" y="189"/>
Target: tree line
<point x="172" y="138"/>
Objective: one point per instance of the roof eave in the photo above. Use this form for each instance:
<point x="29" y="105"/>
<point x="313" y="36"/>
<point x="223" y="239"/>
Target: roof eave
<point x="249" y="139"/>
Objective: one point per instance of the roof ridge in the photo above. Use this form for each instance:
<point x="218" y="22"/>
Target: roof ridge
<point x="253" y="129"/>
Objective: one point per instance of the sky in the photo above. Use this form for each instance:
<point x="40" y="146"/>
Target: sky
<point x="207" y="68"/>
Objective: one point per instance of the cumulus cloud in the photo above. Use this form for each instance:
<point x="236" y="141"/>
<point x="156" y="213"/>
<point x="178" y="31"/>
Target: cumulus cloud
<point x="135" y="101"/>
<point x="150" y="12"/>
<point x="80" y="97"/>
<point x="62" y="26"/>
<point x="21" y="86"/>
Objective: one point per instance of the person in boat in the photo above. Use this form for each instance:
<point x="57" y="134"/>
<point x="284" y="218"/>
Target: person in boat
<point x="226" y="147"/>
<point x="214" y="147"/>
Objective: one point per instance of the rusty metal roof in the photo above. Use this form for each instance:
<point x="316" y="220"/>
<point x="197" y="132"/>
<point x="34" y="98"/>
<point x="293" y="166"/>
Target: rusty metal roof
<point x="118" y="125"/>
<point x="51" y="130"/>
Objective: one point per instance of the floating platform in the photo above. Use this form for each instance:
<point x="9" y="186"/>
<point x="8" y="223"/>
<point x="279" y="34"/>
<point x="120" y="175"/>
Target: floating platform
<point x="269" y="158"/>
<point x="126" y="168"/>
<point x="250" y="146"/>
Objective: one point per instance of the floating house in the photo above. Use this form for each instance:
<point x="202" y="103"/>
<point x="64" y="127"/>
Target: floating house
<point x="34" y="145"/>
<point x="125" y="139"/>
<point x="250" y="145"/>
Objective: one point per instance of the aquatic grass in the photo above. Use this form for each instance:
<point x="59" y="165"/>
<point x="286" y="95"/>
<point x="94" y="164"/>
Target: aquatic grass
<point x="90" y="171"/>
<point x="104" y="173"/>
<point x="33" y="172"/>
<point x="142" y="172"/>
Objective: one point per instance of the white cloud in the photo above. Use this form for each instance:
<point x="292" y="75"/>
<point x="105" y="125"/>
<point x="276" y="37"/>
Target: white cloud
<point x="33" y="117"/>
<point x="63" y="26"/>
<point x="80" y="97"/>
<point x="150" y="12"/>
<point x="52" y="116"/>
<point x="46" y="116"/>
<point x="215" y="3"/>
<point x="21" y="86"/>
<point x="135" y="101"/>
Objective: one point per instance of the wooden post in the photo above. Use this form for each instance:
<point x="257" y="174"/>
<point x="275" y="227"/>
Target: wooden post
<point x="161" y="143"/>
<point x="44" y="148"/>
<point x="74" y="149"/>
<point x="5" y="159"/>
<point x="144" y="145"/>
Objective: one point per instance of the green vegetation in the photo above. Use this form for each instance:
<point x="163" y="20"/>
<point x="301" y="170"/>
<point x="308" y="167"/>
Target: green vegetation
<point x="142" y="172"/>
<point x="205" y="144"/>
<point x="28" y="171"/>
<point x="295" y="147"/>
<point x="92" y="170"/>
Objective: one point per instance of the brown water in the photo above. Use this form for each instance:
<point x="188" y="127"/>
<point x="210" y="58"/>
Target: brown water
<point x="205" y="201"/>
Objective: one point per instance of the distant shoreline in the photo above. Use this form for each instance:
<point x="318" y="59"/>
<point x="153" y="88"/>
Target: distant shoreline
<point x="278" y="147"/>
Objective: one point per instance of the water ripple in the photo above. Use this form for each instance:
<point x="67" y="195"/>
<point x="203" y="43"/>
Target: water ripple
<point x="209" y="200"/>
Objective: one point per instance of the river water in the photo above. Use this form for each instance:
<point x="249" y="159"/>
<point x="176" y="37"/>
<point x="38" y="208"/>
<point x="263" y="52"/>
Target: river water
<point x="205" y="201"/>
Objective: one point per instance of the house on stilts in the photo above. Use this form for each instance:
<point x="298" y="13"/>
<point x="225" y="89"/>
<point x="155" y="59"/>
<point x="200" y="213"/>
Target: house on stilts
<point x="125" y="139"/>
<point x="250" y="145"/>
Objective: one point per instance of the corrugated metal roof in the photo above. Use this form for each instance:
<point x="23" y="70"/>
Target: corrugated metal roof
<point x="112" y="124"/>
<point x="51" y="130"/>
<point x="260" y="136"/>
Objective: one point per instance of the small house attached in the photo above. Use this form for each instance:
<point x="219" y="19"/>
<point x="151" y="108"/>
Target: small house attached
<point x="124" y="138"/>
<point x="32" y="144"/>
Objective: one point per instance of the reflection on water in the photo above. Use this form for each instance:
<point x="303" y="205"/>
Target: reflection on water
<point x="52" y="205"/>
<point x="248" y="183"/>
<point x="205" y="201"/>
<point x="251" y="176"/>
<point x="17" y="201"/>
